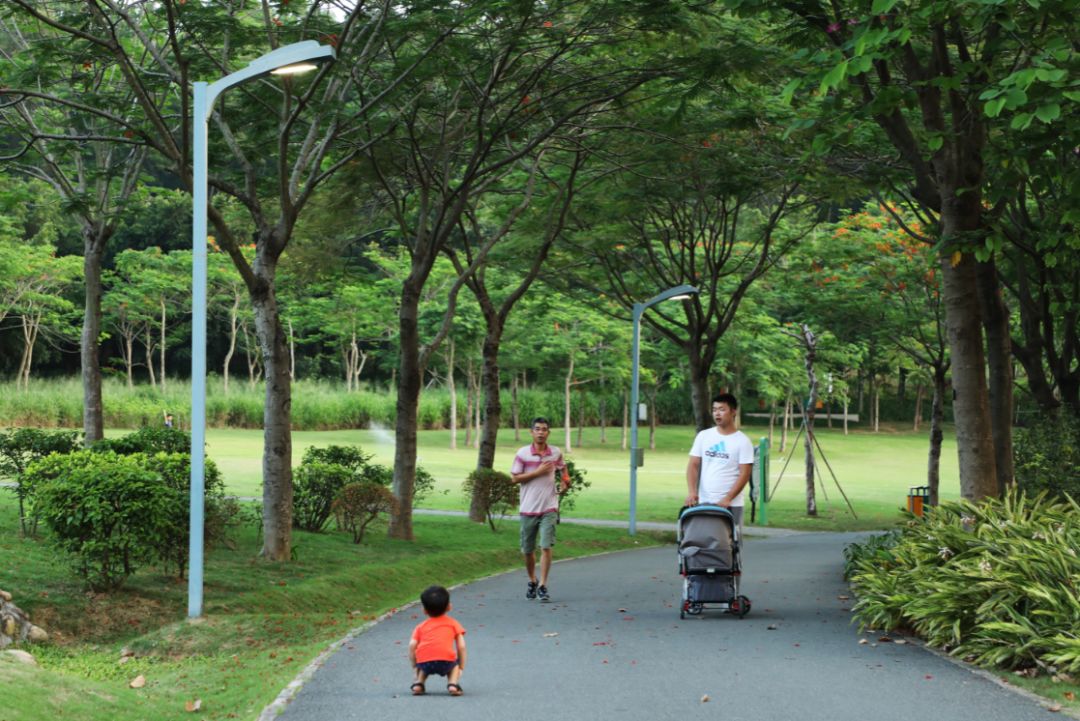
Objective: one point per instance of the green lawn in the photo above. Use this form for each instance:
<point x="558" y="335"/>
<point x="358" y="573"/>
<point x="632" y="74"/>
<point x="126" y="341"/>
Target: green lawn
<point x="264" y="621"/>
<point x="875" y="470"/>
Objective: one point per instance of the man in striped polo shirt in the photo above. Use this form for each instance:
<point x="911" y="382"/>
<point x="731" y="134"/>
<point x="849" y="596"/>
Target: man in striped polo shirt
<point x="535" y="468"/>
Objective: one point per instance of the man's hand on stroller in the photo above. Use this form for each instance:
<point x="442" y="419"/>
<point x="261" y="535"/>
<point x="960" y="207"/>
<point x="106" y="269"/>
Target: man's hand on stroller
<point x="692" y="499"/>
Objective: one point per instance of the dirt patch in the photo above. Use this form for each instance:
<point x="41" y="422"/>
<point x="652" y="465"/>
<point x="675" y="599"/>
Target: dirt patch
<point x="103" y="618"/>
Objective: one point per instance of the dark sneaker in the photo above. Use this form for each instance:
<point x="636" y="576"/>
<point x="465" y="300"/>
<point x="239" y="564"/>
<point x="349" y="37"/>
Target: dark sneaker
<point x="530" y="590"/>
<point x="542" y="593"/>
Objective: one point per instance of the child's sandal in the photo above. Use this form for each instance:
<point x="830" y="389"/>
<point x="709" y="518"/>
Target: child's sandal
<point x="453" y="689"/>
<point x="417" y="689"/>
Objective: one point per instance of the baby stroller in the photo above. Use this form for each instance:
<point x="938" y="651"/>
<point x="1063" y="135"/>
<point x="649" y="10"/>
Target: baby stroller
<point x="709" y="561"/>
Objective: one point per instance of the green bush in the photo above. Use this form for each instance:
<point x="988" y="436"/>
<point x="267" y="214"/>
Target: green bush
<point x="1047" y="455"/>
<point x="358" y="504"/>
<point x="315" y="486"/>
<point x="577" y="485"/>
<point x="220" y="514"/>
<point x="110" y="512"/>
<point x="147" y="440"/>
<point x="19" y="447"/>
<point x="996" y="583"/>
<point x="313" y="496"/>
<point x="497" y="494"/>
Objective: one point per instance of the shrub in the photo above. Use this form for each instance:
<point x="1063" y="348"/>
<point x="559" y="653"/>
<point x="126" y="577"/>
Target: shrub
<point x="994" y="582"/>
<point x="19" y="447"/>
<point x="147" y="440"/>
<point x="220" y="514"/>
<point x="362" y="471"/>
<point x="497" y="494"/>
<point x="315" y="486"/>
<point x="110" y="511"/>
<point x="358" y="504"/>
<point x="1047" y="455"/>
<point x="577" y="485"/>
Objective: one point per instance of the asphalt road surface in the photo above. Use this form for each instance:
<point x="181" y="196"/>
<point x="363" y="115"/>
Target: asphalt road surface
<point x="611" y="645"/>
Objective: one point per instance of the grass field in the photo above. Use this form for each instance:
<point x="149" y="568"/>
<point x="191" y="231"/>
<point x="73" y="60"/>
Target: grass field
<point x="875" y="470"/>
<point x="264" y="621"/>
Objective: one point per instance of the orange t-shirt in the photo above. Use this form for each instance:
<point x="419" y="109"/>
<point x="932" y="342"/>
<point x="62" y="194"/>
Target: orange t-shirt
<point x="435" y="639"/>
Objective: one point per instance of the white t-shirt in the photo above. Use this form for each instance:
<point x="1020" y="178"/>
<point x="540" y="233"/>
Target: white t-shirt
<point x="721" y="457"/>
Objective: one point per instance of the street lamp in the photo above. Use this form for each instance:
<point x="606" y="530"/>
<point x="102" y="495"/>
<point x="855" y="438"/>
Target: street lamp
<point x="679" y="292"/>
<point x="291" y="59"/>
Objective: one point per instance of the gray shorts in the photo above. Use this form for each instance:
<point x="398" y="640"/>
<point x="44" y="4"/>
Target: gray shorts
<point x="532" y="526"/>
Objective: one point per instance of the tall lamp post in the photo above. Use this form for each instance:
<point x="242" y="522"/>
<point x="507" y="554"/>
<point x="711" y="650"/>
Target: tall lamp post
<point x="289" y="60"/>
<point x="679" y="292"/>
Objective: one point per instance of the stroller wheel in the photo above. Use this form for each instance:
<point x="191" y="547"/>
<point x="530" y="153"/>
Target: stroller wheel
<point x="695" y="609"/>
<point x="740" y="606"/>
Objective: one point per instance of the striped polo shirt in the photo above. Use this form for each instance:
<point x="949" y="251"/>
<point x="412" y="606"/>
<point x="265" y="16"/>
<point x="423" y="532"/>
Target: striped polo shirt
<point x="538" y="496"/>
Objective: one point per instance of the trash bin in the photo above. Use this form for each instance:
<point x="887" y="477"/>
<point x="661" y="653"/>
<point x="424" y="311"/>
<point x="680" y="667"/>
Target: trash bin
<point x="918" y="499"/>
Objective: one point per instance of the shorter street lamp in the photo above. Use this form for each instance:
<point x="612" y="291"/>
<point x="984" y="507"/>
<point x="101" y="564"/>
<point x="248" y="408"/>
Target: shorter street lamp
<point x="637" y="455"/>
<point x="288" y="60"/>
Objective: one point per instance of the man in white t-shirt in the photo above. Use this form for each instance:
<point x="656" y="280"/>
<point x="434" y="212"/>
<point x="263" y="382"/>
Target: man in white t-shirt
<point x="720" y="461"/>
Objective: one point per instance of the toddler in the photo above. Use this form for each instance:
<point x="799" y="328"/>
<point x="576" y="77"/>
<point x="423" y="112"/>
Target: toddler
<point x="438" y="644"/>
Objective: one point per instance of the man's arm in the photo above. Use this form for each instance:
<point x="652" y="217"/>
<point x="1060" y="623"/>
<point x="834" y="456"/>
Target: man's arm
<point x="744" y="478"/>
<point x="693" y="475"/>
<point x="526" y="476"/>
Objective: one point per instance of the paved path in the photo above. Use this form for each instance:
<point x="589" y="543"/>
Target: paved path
<point x="611" y="646"/>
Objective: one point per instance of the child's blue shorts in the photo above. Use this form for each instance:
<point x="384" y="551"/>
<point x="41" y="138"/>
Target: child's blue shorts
<point x="437" y="668"/>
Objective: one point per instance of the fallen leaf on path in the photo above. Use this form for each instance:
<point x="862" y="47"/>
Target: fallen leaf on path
<point x="622" y="610"/>
<point x="884" y="639"/>
<point x="863" y="642"/>
<point x="928" y="677"/>
<point x="900" y="641"/>
<point x="843" y="598"/>
<point x="138" y="682"/>
<point x="550" y="635"/>
<point x="772" y="627"/>
<point x="193" y="706"/>
<point x="1069" y="696"/>
<point x="705" y="698"/>
<point x="600" y="643"/>
<point x="1055" y="708"/>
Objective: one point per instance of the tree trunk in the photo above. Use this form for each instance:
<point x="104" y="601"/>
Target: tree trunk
<point x="811" y="345"/>
<point x="937" y="418"/>
<point x="129" y="359"/>
<point x="845" y="415"/>
<point x="149" y="343"/>
<point x="277" y="416"/>
<point x="920" y="390"/>
<point x="700" y="400"/>
<point x="995" y="317"/>
<point x="971" y="406"/>
<point x="515" y="410"/>
<point x="785" y="424"/>
<point x="292" y="356"/>
<point x="877" y="408"/>
<point x="652" y="419"/>
<point x="625" y="418"/>
<point x="566" y="402"/>
<point x="581" y="419"/>
<point x="161" y="342"/>
<point x="772" y="420"/>
<point x="468" y="403"/>
<point x="234" y="313"/>
<point x="489" y="431"/>
<point x="93" y="410"/>
<point x="410" y="377"/>
<point x="451" y="388"/>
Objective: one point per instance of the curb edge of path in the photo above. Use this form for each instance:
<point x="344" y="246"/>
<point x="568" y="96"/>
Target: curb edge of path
<point x="1046" y="703"/>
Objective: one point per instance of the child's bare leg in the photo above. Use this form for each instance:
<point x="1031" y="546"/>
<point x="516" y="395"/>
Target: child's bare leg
<point x="418" y="684"/>
<point x="455" y="675"/>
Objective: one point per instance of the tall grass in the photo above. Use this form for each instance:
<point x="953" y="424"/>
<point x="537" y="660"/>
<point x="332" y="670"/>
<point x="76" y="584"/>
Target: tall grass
<point x="317" y="405"/>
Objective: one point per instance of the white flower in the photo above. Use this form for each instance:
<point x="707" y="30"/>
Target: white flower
<point x="945" y="553"/>
<point x="967" y="520"/>
<point x="985" y="566"/>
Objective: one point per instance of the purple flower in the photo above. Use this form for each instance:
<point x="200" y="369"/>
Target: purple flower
<point x="832" y="28"/>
